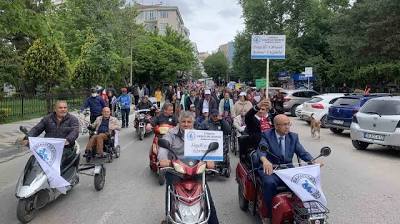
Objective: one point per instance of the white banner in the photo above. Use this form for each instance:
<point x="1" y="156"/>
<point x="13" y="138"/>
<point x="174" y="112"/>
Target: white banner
<point x="48" y="152"/>
<point x="304" y="181"/>
<point x="197" y="142"/>
<point x="268" y="46"/>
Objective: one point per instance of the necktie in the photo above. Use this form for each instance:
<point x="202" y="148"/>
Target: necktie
<point x="281" y="147"/>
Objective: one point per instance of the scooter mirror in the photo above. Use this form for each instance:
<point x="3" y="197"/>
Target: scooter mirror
<point x="212" y="146"/>
<point x="325" y="151"/>
<point x="163" y="143"/>
<point x="23" y="129"/>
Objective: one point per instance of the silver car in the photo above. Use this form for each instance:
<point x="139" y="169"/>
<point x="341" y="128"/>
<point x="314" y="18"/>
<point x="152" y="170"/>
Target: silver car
<point x="294" y="98"/>
<point x="377" y="122"/>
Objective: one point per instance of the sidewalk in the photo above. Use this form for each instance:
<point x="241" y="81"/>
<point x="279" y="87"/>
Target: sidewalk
<point x="9" y="133"/>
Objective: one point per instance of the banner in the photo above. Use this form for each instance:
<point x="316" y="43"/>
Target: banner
<point x="304" y="181"/>
<point x="197" y="142"/>
<point x="268" y="46"/>
<point x="48" y="152"/>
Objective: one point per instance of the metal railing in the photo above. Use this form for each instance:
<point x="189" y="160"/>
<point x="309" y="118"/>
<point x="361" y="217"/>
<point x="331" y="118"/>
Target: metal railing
<point x="22" y="107"/>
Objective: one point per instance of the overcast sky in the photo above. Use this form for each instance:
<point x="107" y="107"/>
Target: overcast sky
<point x="211" y="22"/>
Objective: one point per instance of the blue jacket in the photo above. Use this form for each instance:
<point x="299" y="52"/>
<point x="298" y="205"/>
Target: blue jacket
<point x="95" y="104"/>
<point x="292" y="145"/>
<point x="125" y="101"/>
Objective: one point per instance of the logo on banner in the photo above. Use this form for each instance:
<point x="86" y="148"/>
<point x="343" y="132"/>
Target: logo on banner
<point x="46" y="151"/>
<point x="308" y="183"/>
<point x="191" y="136"/>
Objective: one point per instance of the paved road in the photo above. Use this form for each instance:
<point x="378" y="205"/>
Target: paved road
<point x="361" y="187"/>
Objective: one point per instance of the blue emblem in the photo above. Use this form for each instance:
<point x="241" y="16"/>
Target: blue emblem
<point x="46" y="151"/>
<point x="191" y="136"/>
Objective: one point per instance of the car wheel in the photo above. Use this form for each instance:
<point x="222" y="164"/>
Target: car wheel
<point x="360" y="145"/>
<point x="336" y="130"/>
<point x="323" y="121"/>
<point x="293" y="110"/>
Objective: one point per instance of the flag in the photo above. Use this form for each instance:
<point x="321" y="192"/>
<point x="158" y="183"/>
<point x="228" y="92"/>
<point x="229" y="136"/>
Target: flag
<point x="48" y="152"/>
<point x="304" y="181"/>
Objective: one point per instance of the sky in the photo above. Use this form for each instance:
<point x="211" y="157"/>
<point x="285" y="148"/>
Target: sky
<point x="211" y="22"/>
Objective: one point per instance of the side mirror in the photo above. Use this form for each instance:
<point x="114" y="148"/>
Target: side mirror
<point x="325" y="151"/>
<point x="23" y="129"/>
<point x="213" y="146"/>
<point x="163" y="143"/>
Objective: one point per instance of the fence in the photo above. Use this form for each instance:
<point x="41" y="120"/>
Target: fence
<point x="21" y="107"/>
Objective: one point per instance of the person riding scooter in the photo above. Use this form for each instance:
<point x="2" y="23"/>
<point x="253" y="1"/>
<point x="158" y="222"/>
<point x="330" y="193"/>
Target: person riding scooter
<point x="216" y="123"/>
<point x="144" y="103"/>
<point x="104" y="125"/>
<point x="282" y="145"/>
<point x="59" y="124"/>
<point x="166" y="117"/>
<point x="175" y="137"/>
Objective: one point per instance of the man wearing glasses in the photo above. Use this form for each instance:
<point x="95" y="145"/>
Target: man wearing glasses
<point x="282" y="145"/>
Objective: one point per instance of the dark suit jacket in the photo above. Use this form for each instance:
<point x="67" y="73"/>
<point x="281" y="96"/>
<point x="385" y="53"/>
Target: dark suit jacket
<point x="212" y="104"/>
<point x="292" y="145"/>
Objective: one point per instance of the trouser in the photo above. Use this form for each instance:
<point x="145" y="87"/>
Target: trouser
<point x="269" y="186"/>
<point x="159" y="105"/>
<point x="67" y="156"/>
<point x="170" y="179"/>
<point x="125" y="117"/>
<point x="93" y="117"/>
<point x="136" y="100"/>
<point x="98" y="141"/>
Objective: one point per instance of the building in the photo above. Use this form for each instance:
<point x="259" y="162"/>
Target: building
<point x="57" y="2"/>
<point x="158" y="17"/>
<point x="203" y="56"/>
<point x="228" y="50"/>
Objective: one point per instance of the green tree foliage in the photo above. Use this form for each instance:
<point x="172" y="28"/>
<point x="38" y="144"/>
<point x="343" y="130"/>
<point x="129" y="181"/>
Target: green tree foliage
<point x="216" y="65"/>
<point x="45" y="64"/>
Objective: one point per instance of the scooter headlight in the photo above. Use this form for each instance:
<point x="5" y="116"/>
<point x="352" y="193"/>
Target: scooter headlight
<point x="189" y="213"/>
<point x="179" y="168"/>
<point x="201" y="168"/>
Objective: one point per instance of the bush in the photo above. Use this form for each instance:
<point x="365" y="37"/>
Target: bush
<point x="4" y="113"/>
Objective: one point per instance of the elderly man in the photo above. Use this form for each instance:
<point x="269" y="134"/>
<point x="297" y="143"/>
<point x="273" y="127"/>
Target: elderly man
<point x="166" y="117"/>
<point x="59" y="124"/>
<point x="207" y="103"/>
<point x="283" y="144"/>
<point x="175" y="137"/>
<point x="104" y="125"/>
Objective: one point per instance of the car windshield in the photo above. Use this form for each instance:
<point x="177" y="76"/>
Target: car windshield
<point x="382" y="107"/>
<point x="315" y="100"/>
<point x="346" y="101"/>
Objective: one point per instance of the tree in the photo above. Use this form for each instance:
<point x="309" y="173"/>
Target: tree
<point x="45" y="64"/>
<point x="216" y="65"/>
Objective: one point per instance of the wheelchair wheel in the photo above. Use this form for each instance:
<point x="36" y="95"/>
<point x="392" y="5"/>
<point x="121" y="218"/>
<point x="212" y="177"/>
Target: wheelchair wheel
<point x="117" y="151"/>
<point x="100" y="179"/>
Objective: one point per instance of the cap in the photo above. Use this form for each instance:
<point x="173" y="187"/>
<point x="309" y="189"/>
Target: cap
<point x="207" y="92"/>
<point x="214" y="112"/>
<point x="205" y="110"/>
<point x="242" y="94"/>
<point x="192" y="105"/>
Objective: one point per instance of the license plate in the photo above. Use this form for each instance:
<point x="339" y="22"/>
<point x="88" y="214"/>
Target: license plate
<point x="337" y="122"/>
<point x="374" y="136"/>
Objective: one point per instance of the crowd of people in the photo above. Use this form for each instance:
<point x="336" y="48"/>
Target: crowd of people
<point x="247" y="111"/>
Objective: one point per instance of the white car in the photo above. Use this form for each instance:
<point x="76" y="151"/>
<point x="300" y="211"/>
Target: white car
<point x="319" y="106"/>
<point x="298" y="110"/>
<point x="377" y="122"/>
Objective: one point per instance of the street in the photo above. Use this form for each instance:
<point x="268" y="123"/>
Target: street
<point x="360" y="186"/>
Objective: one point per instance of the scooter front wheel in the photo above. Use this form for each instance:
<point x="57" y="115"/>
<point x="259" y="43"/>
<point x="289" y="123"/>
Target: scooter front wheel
<point x="100" y="179"/>
<point x="26" y="210"/>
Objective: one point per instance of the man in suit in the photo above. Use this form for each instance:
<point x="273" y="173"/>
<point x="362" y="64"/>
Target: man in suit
<point x="283" y="144"/>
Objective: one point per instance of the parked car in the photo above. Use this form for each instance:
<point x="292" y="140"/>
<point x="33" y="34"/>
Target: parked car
<point x="298" y="110"/>
<point x="319" y="105"/>
<point x="294" y="98"/>
<point x="341" y="112"/>
<point x="377" y="122"/>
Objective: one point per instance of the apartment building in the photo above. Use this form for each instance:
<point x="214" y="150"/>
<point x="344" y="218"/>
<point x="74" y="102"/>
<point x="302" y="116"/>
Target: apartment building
<point x="159" y="17"/>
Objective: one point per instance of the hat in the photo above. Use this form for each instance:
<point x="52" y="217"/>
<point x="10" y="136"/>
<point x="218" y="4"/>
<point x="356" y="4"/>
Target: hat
<point x="192" y="105"/>
<point x="205" y="110"/>
<point x="207" y="92"/>
<point x="214" y="112"/>
<point x="242" y="94"/>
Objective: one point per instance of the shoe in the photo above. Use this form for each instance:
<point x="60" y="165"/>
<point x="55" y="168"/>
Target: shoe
<point x="266" y="220"/>
<point x="163" y="222"/>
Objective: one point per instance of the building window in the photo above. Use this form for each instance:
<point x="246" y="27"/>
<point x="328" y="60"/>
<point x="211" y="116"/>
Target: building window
<point x="163" y="28"/>
<point x="163" y="14"/>
<point x="150" y="15"/>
